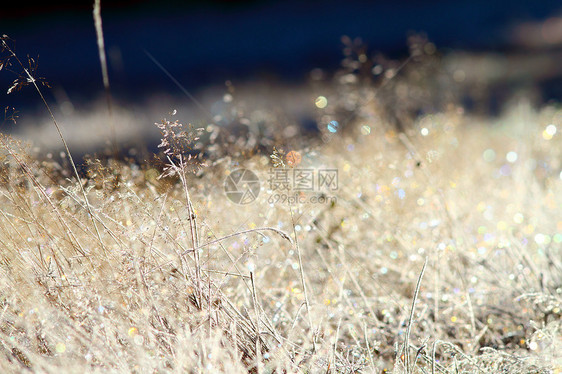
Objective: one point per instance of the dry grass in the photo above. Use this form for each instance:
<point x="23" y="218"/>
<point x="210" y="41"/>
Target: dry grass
<point x="128" y="272"/>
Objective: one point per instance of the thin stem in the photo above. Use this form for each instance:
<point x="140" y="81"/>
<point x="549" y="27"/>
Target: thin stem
<point x="303" y="282"/>
<point x="67" y="150"/>
<point x="409" y="328"/>
<point x="105" y="74"/>
<point x="256" y="310"/>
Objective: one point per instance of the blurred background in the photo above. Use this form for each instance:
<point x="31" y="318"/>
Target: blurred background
<point x="507" y="45"/>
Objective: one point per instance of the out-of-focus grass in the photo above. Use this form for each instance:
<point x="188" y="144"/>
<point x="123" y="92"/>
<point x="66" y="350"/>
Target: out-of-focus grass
<point x="489" y="301"/>
<point x="181" y="279"/>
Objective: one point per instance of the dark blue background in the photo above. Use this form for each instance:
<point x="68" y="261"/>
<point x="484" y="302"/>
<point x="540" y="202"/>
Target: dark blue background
<point x="207" y="44"/>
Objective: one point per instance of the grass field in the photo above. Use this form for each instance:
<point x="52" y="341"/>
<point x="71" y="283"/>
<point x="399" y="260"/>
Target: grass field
<point x="425" y="243"/>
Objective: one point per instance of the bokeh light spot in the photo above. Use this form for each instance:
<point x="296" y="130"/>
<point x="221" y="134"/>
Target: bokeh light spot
<point x="333" y="126"/>
<point x="60" y="347"/>
<point x="489" y="155"/>
<point x="321" y="102"/>
<point x="511" y="156"/>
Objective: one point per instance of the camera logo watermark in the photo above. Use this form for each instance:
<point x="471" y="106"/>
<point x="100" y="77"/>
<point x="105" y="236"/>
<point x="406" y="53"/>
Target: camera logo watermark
<point x="242" y="186"/>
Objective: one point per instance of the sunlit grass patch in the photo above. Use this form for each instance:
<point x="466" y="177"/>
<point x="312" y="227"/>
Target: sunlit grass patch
<point x="133" y="266"/>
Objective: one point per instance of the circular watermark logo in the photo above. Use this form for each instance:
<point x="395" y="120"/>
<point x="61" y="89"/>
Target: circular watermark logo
<point x="242" y="186"/>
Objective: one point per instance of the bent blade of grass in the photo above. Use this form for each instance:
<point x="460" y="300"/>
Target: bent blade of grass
<point x="303" y="282"/>
<point x="411" y="318"/>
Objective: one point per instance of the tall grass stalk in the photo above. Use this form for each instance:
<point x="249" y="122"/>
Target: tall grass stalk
<point x="32" y="80"/>
<point x="103" y="62"/>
